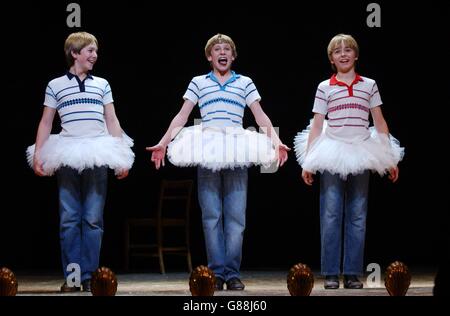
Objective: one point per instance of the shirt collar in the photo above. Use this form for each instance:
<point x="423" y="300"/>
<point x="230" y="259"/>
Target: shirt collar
<point x="334" y="81"/>
<point x="71" y="75"/>
<point x="233" y="77"/>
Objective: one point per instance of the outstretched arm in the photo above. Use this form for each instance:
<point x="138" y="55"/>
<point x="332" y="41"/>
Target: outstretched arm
<point x="316" y="130"/>
<point x="159" y="150"/>
<point x="381" y="127"/>
<point x="263" y="121"/>
<point x="43" y="132"/>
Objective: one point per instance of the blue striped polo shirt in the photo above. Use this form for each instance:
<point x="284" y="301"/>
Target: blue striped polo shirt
<point x="222" y="105"/>
<point x="80" y="104"/>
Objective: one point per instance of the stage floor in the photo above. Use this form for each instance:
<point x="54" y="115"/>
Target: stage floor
<point x="258" y="283"/>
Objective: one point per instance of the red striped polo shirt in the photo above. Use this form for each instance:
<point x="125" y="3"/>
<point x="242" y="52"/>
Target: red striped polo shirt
<point x="347" y="107"/>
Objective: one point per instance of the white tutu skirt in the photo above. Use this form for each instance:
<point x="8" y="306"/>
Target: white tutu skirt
<point x="218" y="149"/>
<point x="378" y="153"/>
<point x="84" y="153"/>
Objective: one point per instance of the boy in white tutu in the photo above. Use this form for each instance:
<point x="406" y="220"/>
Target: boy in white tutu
<point x="90" y="142"/>
<point x="222" y="150"/>
<point x="344" y="150"/>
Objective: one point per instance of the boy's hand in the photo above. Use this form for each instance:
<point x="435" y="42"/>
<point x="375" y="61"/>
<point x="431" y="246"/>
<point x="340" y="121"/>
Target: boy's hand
<point x="123" y="173"/>
<point x="393" y="174"/>
<point x="282" y="154"/>
<point x="37" y="166"/>
<point x="158" y="155"/>
<point x="307" y="177"/>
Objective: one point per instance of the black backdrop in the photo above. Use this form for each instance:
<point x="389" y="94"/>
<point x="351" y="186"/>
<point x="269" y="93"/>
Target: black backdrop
<point x="149" y="54"/>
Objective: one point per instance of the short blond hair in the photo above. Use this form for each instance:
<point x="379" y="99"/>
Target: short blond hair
<point x="219" y="39"/>
<point x="348" y="40"/>
<point x="75" y="42"/>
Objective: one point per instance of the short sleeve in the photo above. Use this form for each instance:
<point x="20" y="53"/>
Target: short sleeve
<point x="192" y="93"/>
<point x="107" y="94"/>
<point x="251" y="93"/>
<point x="375" y="98"/>
<point x="50" y="97"/>
<point x="320" y="102"/>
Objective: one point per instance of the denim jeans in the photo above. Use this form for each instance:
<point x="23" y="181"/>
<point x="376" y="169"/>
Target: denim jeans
<point x="343" y="201"/>
<point x="223" y="199"/>
<point x="81" y="202"/>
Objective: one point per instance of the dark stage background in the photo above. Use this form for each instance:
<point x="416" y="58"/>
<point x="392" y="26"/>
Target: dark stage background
<point x="149" y="54"/>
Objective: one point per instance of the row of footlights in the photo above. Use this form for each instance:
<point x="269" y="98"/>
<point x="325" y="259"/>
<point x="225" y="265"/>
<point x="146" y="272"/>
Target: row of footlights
<point x="300" y="281"/>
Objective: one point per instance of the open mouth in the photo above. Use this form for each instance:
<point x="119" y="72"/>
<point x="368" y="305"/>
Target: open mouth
<point x="223" y="61"/>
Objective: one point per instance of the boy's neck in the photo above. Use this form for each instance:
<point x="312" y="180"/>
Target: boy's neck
<point x="80" y="73"/>
<point x="222" y="77"/>
<point x="346" y="77"/>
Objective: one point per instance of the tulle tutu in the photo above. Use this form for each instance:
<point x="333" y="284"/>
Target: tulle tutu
<point x="377" y="153"/>
<point x="217" y="149"/>
<point x="84" y="152"/>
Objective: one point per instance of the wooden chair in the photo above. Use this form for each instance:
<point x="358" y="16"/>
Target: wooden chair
<point x="179" y="194"/>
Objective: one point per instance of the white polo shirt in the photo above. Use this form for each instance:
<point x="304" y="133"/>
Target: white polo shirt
<point x="80" y="104"/>
<point x="347" y="107"/>
<point x="222" y="105"/>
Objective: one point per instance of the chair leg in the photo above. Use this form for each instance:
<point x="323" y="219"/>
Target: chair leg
<point x="127" y="247"/>
<point x="188" y="246"/>
<point x="189" y="261"/>
<point x="160" y="248"/>
<point x="161" y="261"/>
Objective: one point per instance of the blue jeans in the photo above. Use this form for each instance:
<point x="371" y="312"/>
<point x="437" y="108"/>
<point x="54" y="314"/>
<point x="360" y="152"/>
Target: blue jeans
<point x="81" y="202"/>
<point x="223" y="200"/>
<point x="343" y="201"/>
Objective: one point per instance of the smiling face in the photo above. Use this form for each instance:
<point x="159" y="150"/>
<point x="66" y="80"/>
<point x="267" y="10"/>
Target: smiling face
<point x="81" y="46"/>
<point x="343" y="51"/>
<point x="86" y="58"/>
<point x="343" y="57"/>
<point x="221" y="57"/>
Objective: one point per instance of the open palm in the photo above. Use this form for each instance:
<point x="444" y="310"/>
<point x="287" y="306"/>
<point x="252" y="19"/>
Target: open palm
<point x="282" y="154"/>
<point x="158" y="155"/>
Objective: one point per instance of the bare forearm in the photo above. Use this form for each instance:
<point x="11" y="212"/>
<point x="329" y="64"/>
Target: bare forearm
<point x="382" y="127"/>
<point x="379" y="121"/>
<point x="177" y="123"/>
<point x="45" y="127"/>
<point x="43" y="133"/>
<point x="114" y="127"/>
<point x="315" y="132"/>
<point x="316" y="129"/>
<point x="112" y="122"/>
<point x="265" y="123"/>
